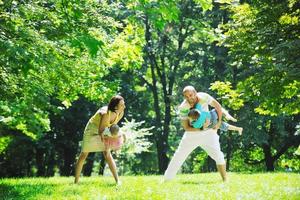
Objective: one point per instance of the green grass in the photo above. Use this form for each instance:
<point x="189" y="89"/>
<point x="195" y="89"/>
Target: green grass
<point x="191" y="186"/>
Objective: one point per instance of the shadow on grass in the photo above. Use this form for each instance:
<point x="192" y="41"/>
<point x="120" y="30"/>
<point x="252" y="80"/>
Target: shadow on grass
<point x="23" y="191"/>
<point x="199" y="182"/>
<point x="29" y="190"/>
<point x="8" y="193"/>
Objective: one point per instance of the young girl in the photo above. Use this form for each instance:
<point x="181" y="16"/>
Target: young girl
<point x="113" y="139"/>
<point x="205" y="120"/>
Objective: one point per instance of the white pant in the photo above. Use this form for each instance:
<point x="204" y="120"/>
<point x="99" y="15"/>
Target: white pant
<point x="208" y="140"/>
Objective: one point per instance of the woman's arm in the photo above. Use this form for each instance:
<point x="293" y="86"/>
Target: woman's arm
<point x="103" y="121"/>
<point x="120" y="116"/>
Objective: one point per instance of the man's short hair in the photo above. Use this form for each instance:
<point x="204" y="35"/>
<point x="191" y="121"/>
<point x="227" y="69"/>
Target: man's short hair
<point x="114" y="129"/>
<point x="188" y="88"/>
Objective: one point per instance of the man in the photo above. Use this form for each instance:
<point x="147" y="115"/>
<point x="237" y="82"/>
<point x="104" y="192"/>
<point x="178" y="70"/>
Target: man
<point x="192" y="138"/>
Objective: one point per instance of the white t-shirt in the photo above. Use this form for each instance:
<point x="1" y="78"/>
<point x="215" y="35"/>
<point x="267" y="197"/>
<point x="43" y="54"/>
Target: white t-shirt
<point x="204" y="99"/>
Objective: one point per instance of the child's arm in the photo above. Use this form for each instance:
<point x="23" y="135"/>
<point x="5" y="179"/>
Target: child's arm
<point x="206" y="123"/>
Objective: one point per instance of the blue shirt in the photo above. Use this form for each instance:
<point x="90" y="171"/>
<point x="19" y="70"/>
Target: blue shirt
<point x="203" y="116"/>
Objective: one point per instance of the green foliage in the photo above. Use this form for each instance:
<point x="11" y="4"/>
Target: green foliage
<point x="263" y="42"/>
<point x="4" y="142"/>
<point x="126" y="50"/>
<point x="238" y="164"/>
<point x="230" y="98"/>
<point x="205" y="4"/>
<point x="49" y="51"/>
<point x="291" y="160"/>
<point x="158" y="12"/>
<point x="16" y="156"/>
<point x="53" y="53"/>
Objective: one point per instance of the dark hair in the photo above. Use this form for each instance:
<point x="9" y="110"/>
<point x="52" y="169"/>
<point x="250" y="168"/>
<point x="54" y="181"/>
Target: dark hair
<point x="114" y="101"/>
<point x="194" y="113"/>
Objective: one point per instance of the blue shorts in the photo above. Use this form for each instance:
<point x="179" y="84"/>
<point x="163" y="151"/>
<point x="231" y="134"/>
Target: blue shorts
<point x="214" y="120"/>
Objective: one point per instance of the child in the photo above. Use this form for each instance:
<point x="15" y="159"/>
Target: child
<point x="112" y="139"/>
<point x="202" y="119"/>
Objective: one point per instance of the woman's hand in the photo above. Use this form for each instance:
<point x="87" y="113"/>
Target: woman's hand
<point x="124" y="138"/>
<point x="101" y="137"/>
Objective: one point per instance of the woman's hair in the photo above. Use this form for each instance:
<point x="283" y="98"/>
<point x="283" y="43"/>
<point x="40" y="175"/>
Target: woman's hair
<point x="115" y="100"/>
<point x="194" y="113"/>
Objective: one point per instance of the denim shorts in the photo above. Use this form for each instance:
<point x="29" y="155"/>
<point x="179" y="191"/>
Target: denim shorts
<point x="214" y="120"/>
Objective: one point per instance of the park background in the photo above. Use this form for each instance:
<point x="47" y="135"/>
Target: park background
<point x="60" y="60"/>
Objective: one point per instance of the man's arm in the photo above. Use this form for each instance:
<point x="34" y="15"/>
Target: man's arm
<point x="218" y="108"/>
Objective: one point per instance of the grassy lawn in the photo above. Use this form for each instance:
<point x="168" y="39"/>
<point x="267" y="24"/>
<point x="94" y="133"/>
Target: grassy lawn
<point x="191" y="186"/>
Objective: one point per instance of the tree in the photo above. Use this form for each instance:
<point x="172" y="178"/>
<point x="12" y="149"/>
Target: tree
<point x="263" y="43"/>
<point x="169" y="29"/>
<point x="51" y="54"/>
<point x="50" y="50"/>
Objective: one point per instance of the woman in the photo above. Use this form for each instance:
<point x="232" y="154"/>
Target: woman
<point x="93" y="134"/>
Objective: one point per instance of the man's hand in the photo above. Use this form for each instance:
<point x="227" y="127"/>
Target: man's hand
<point x="217" y="126"/>
<point x="206" y="124"/>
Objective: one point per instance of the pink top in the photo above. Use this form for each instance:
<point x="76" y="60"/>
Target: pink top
<point x="113" y="143"/>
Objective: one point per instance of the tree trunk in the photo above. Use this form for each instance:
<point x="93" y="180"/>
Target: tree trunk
<point x="209" y="165"/>
<point x="40" y="164"/>
<point x="269" y="161"/>
<point x="69" y="159"/>
<point x="102" y="165"/>
<point x="160" y="143"/>
<point x="51" y="165"/>
<point x="163" y="142"/>
<point x="228" y="152"/>
<point x="88" y="167"/>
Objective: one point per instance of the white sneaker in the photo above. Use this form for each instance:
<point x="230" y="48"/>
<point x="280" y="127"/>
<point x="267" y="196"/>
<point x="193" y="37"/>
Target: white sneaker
<point x="240" y="131"/>
<point x="228" y="116"/>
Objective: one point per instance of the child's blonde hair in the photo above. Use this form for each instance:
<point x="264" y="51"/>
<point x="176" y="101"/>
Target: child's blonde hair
<point x="114" y="129"/>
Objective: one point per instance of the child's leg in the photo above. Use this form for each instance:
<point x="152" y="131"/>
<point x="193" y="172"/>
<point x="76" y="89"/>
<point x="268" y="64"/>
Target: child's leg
<point x="227" y="115"/>
<point x="235" y="128"/>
